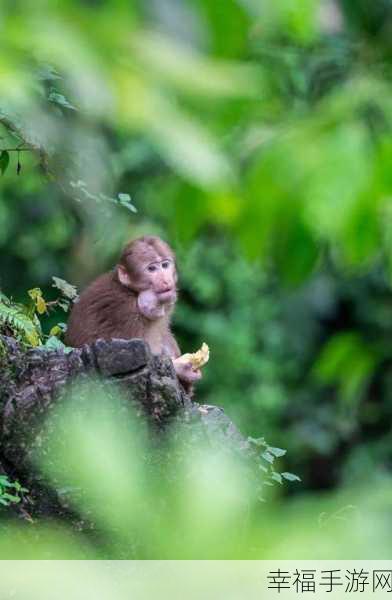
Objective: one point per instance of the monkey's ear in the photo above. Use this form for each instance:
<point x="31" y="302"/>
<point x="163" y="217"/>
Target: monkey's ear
<point x="123" y="276"/>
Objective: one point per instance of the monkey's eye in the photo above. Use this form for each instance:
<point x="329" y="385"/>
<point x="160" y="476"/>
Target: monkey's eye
<point x="151" y="268"/>
<point x="166" y="264"/>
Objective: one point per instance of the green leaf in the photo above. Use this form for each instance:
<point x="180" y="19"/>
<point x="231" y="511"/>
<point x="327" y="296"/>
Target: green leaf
<point x="60" y="100"/>
<point x="65" y="288"/>
<point x="277" y="477"/>
<point x="191" y="72"/>
<point x="348" y="361"/>
<point x="11" y="498"/>
<point x="57" y="330"/>
<point x="64" y="304"/>
<point x="4" y="161"/>
<point x="278" y="452"/>
<point x="257" y="441"/>
<point x="268" y="457"/>
<point x="40" y="304"/>
<point x="47" y="73"/>
<point x="53" y="343"/>
<point x="125" y="200"/>
<point x="290" y="476"/>
<point x="16" y="318"/>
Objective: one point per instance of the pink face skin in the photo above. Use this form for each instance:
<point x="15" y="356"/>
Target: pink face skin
<point x="161" y="276"/>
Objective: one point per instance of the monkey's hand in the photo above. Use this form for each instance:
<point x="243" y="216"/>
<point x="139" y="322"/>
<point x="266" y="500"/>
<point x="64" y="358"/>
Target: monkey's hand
<point x="185" y="370"/>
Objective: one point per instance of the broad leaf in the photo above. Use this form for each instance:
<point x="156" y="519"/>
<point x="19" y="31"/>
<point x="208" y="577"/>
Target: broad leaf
<point x="4" y="161"/>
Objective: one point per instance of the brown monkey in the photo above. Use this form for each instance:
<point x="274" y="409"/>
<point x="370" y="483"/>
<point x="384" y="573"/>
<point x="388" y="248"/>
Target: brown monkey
<point x="135" y="300"/>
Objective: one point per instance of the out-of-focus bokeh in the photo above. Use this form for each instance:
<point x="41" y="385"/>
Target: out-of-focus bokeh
<point x="255" y="137"/>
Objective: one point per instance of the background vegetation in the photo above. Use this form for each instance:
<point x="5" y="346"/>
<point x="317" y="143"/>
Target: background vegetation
<point x="255" y="137"/>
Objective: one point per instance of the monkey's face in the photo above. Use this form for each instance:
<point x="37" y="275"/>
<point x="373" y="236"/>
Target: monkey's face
<point x="155" y="279"/>
<point x="160" y="277"/>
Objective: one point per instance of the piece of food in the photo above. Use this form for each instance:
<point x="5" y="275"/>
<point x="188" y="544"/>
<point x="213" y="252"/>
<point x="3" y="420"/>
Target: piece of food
<point x="197" y="359"/>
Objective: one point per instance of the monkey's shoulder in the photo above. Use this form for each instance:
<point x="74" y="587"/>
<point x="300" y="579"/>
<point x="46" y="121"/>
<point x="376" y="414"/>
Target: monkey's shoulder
<point x="101" y="311"/>
<point x="103" y="291"/>
<point x="103" y="283"/>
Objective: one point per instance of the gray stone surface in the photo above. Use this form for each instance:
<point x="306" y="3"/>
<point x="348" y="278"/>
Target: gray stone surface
<point x="34" y="382"/>
<point x="120" y="357"/>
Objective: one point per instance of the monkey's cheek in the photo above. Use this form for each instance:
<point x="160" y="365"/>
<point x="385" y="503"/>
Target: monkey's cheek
<point x="153" y="314"/>
<point x="148" y="305"/>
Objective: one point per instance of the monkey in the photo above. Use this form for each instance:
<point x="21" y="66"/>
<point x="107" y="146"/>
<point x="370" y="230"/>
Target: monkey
<point x="135" y="300"/>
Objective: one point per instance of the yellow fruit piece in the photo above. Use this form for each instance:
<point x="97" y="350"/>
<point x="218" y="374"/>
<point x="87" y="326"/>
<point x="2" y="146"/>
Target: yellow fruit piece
<point x="41" y="305"/>
<point x="198" y="359"/>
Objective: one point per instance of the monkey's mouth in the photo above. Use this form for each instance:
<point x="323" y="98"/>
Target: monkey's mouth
<point x="167" y="295"/>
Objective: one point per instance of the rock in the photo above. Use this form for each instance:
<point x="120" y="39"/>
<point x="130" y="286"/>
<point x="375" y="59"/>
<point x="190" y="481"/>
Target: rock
<point x="120" y="357"/>
<point x="34" y="382"/>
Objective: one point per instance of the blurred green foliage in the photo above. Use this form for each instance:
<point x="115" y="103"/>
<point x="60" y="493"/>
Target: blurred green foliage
<point x="256" y="138"/>
<point x="137" y="499"/>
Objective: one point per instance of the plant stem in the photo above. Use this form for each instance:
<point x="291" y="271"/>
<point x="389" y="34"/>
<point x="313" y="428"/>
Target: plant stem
<point x="16" y="149"/>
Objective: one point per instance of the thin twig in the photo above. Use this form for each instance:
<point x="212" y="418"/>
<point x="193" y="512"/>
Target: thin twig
<point x="18" y="150"/>
<point x="27" y="145"/>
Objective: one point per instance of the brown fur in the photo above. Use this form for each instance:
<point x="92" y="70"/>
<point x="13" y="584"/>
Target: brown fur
<point x="107" y="309"/>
